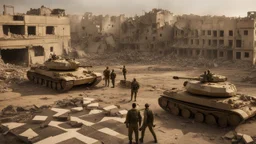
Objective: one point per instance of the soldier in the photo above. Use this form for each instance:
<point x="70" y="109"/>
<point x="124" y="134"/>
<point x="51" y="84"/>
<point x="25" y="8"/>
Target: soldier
<point x="134" y="89"/>
<point x="205" y="79"/>
<point x="209" y="76"/>
<point x="133" y="121"/>
<point x="124" y="72"/>
<point x="113" y="77"/>
<point x="106" y="74"/>
<point x="148" y="122"/>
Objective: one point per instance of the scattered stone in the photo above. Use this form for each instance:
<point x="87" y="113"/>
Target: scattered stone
<point x="77" y="109"/>
<point x="239" y="136"/>
<point x="44" y="98"/>
<point x="80" y="94"/>
<point x="247" y="139"/>
<point x="93" y="106"/>
<point x="9" y="110"/>
<point x="109" y="107"/>
<point x="230" y="135"/>
<point x="122" y="112"/>
<point x="64" y="117"/>
<point x="75" y="124"/>
<point x="45" y="107"/>
<point x="95" y="111"/>
<point x="3" y="129"/>
<point x="44" y="124"/>
<point x="20" y="109"/>
<point x="39" y="119"/>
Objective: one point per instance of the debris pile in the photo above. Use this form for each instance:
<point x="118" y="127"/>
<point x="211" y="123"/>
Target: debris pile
<point x="251" y="78"/>
<point x="237" y="138"/>
<point x="135" y="57"/>
<point x="10" y="74"/>
<point x="74" y="102"/>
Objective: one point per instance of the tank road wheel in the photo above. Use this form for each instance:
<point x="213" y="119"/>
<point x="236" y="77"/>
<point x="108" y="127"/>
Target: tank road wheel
<point x="63" y="84"/>
<point x="54" y="85"/>
<point x="210" y="119"/>
<point x="59" y="88"/>
<point x="163" y="102"/>
<point x="35" y="79"/>
<point x="199" y="117"/>
<point x="40" y="81"/>
<point x="30" y="77"/>
<point x="222" y="121"/>
<point x="234" y="120"/>
<point x="175" y="111"/>
<point x="49" y="84"/>
<point x="185" y="113"/>
<point x="44" y="82"/>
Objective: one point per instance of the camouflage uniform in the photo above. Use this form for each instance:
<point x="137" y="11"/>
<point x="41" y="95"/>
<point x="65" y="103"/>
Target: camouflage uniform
<point x="134" y="89"/>
<point x="133" y="121"/>
<point x="209" y="76"/>
<point x="113" y="77"/>
<point x="148" y="122"/>
<point x="124" y="72"/>
<point x="106" y="74"/>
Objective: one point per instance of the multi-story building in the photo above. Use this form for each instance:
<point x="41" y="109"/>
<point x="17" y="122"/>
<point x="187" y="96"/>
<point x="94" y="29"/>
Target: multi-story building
<point x="151" y="32"/>
<point x="215" y="37"/>
<point x="30" y="38"/>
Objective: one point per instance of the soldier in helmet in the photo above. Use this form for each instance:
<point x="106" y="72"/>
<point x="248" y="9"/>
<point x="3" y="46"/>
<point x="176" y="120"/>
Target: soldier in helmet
<point x="205" y="79"/>
<point x="133" y="122"/>
<point x="124" y="72"/>
<point x="106" y="74"/>
<point x="134" y="89"/>
<point x="113" y="77"/>
<point x="148" y="122"/>
<point x="209" y="76"/>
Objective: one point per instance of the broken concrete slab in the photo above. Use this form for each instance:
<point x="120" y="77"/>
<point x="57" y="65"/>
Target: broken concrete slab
<point x="13" y="125"/>
<point x="88" y="99"/>
<point x="93" y="106"/>
<point x="107" y="108"/>
<point x="64" y="117"/>
<point x="77" y="109"/>
<point x="86" y="102"/>
<point x="123" y="112"/>
<point x="247" y="139"/>
<point x="230" y="135"/>
<point x="29" y="134"/>
<point x="95" y="111"/>
<point x="39" y="119"/>
<point x="239" y="136"/>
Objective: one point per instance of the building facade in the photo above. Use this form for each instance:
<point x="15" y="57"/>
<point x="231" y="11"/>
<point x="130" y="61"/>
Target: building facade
<point x="215" y="37"/>
<point x="30" y="38"/>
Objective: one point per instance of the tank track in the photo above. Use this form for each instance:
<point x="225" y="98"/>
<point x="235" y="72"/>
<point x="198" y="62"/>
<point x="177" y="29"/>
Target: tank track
<point x="211" y="116"/>
<point x="56" y="84"/>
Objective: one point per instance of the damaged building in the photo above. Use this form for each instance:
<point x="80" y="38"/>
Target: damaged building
<point x="152" y="32"/>
<point x="30" y="38"/>
<point x="215" y="37"/>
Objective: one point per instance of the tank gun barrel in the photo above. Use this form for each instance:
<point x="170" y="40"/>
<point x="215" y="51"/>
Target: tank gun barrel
<point x="189" y="78"/>
<point x="85" y="66"/>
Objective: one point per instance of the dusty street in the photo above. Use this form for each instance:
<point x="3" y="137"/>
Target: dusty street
<point x="153" y="80"/>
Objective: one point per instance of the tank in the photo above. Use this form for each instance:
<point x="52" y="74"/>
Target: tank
<point x="62" y="74"/>
<point x="215" y="102"/>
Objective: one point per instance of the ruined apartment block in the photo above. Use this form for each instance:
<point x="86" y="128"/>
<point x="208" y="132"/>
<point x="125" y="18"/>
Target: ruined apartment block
<point x="30" y="38"/>
<point x="216" y="37"/>
<point x="151" y="32"/>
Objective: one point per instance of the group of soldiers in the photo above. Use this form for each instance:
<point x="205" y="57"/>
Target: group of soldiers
<point x="133" y="122"/>
<point x="133" y="117"/>
<point x="207" y="77"/>
<point x="112" y="75"/>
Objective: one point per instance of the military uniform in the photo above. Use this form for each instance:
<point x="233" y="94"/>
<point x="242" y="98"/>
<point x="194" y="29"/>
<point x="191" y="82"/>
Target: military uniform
<point x="148" y="122"/>
<point x="106" y="74"/>
<point x="209" y="76"/>
<point x="133" y="121"/>
<point x="113" y="77"/>
<point x="134" y="89"/>
<point x="124" y="72"/>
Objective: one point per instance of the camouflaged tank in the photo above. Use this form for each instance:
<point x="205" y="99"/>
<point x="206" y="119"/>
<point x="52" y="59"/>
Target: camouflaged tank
<point x="215" y="102"/>
<point x="62" y="74"/>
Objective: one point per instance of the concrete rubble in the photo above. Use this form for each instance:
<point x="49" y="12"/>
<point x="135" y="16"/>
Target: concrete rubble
<point x="9" y="75"/>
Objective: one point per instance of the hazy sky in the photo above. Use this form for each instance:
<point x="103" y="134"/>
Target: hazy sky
<point x="132" y="7"/>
